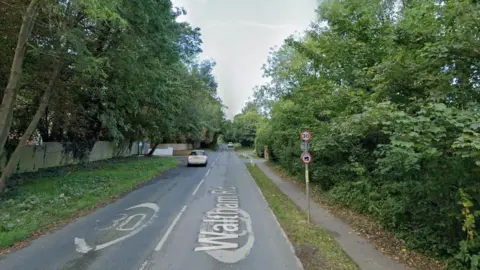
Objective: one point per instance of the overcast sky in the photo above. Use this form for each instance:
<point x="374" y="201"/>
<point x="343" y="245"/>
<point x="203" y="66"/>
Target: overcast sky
<point x="238" y="34"/>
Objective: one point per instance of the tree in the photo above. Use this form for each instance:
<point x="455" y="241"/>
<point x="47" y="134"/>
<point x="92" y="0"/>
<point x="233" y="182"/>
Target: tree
<point x="64" y="21"/>
<point x="8" y="100"/>
<point x="79" y="85"/>
<point x="244" y="126"/>
<point x="392" y="101"/>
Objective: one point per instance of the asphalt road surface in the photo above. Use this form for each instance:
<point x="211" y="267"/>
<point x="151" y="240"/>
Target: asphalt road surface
<point x="189" y="218"/>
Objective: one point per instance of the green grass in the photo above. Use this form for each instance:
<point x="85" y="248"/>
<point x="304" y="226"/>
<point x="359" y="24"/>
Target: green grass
<point x="240" y="148"/>
<point x="255" y="156"/>
<point x="243" y="156"/>
<point x="184" y="153"/>
<point x="181" y="153"/>
<point x="237" y="146"/>
<point x="313" y="244"/>
<point x="40" y="200"/>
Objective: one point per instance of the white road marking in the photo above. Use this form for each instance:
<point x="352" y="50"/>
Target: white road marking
<point x="83" y="247"/>
<point x="144" y="265"/>
<point x="169" y="231"/>
<point x="139" y="222"/>
<point x="223" y="223"/>
<point x="292" y="249"/>
<point x="219" y="251"/>
<point x="115" y="222"/>
<point x="198" y="186"/>
<point x="207" y="172"/>
<point x="149" y="205"/>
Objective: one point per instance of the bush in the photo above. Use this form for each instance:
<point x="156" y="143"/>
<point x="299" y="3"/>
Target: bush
<point x="395" y="117"/>
<point x="263" y="138"/>
<point x="404" y="170"/>
<point x="237" y="146"/>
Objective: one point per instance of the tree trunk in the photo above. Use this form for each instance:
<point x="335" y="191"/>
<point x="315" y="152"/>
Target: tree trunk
<point x="8" y="102"/>
<point x="153" y="150"/>
<point x="31" y="127"/>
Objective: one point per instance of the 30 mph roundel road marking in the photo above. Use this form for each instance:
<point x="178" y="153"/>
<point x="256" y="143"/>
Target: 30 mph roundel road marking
<point x="83" y="247"/>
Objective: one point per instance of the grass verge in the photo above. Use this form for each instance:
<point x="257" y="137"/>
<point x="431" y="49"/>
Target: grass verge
<point x="42" y="200"/>
<point x="255" y="156"/>
<point x="184" y="153"/>
<point x="243" y="149"/>
<point x="243" y="156"/>
<point x="314" y="246"/>
<point x="181" y="153"/>
<point x="366" y="226"/>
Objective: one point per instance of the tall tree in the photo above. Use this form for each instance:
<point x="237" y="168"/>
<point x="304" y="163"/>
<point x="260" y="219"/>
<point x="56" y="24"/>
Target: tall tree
<point x="9" y="96"/>
<point x="79" y="85"/>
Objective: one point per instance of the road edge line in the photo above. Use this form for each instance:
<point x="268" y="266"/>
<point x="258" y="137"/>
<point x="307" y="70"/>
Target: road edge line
<point x="299" y="263"/>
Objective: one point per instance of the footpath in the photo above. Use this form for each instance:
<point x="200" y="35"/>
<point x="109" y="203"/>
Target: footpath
<point x="359" y="249"/>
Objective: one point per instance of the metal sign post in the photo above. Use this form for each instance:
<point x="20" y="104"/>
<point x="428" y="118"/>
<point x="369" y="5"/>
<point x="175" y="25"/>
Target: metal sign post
<point x="306" y="159"/>
<point x="138" y="148"/>
<point x="140" y="144"/>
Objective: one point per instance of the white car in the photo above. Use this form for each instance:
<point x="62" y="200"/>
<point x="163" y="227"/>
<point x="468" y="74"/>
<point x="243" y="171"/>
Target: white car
<point x="197" y="157"/>
<point x="230" y="145"/>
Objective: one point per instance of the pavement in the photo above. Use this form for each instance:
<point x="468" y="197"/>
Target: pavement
<point x="358" y="248"/>
<point x="188" y="218"/>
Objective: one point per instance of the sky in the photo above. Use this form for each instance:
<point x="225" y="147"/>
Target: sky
<point x="238" y="35"/>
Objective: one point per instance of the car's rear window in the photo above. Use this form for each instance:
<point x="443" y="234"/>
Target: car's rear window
<point x="197" y="153"/>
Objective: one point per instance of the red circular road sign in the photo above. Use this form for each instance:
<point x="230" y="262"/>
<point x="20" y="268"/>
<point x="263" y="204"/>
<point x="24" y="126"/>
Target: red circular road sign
<point x="306" y="158"/>
<point x="306" y="136"/>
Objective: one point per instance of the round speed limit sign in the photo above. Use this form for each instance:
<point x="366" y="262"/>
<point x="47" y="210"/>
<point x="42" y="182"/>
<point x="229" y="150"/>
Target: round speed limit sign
<point x="306" y="136"/>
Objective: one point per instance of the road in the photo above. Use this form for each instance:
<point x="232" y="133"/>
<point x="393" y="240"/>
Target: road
<point x="188" y="218"/>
